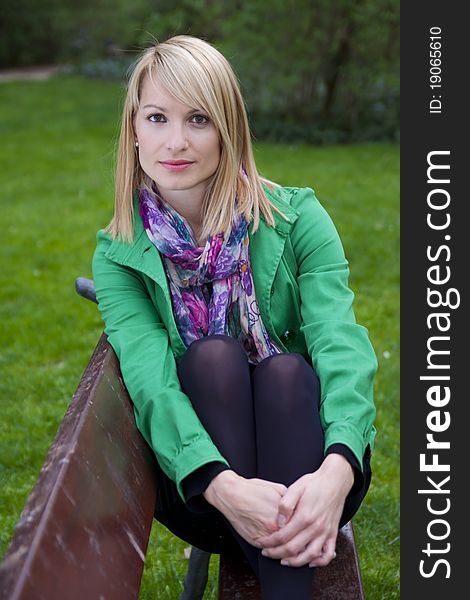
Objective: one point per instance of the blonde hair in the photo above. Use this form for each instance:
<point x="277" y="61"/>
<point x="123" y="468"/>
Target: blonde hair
<point x="198" y="75"/>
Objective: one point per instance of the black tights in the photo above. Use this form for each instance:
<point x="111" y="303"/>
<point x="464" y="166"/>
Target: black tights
<point x="265" y="421"/>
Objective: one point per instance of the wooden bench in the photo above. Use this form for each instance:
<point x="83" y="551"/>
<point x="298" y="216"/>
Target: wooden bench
<point x="84" y="531"/>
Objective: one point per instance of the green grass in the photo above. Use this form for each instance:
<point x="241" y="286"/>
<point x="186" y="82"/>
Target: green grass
<point x="56" y="190"/>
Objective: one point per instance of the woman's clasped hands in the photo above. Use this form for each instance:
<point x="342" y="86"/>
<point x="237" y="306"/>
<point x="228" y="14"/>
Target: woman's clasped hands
<point x="250" y="505"/>
<point x="297" y="525"/>
<point x="309" y="515"/>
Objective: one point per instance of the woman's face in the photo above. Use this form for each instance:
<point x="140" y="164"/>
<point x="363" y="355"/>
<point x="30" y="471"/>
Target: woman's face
<point x="179" y="146"/>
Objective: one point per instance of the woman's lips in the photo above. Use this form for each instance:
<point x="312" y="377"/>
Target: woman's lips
<point x="175" y="165"/>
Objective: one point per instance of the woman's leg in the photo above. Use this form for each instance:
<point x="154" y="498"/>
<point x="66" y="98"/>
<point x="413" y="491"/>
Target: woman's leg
<point x="288" y="431"/>
<point x="289" y="439"/>
<point x="215" y="374"/>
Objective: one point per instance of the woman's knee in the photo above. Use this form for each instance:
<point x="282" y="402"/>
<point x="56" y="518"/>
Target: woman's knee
<point x="287" y="367"/>
<point x="284" y="376"/>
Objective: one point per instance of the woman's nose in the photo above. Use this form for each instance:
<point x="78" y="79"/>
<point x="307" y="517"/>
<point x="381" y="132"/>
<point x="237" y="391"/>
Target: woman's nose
<point x="176" y="139"/>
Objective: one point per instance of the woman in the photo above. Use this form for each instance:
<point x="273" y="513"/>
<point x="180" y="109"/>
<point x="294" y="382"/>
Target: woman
<point x="225" y="298"/>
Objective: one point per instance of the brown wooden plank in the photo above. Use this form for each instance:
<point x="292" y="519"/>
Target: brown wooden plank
<point x="340" y="580"/>
<point x="237" y="581"/>
<point x="84" y="530"/>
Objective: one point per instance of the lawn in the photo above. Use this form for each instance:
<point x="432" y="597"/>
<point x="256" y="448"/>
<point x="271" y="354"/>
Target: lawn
<point x="56" y="177"/>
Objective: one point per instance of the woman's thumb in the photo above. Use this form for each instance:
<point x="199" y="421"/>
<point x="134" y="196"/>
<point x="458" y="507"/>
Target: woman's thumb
<point x="286" y="508"/>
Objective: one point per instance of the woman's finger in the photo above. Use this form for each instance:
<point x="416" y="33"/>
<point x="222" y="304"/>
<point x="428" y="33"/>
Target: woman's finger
<point x="287" y="507"/>
<point x="310" y="553"/>
<point x="314" y="554"/>
<point x="291" y="539"/>
<point x="295" y="546"/>
<point x="289" y="502"/>
<point x="294" y="522"/>
<point x="327" y="554"/>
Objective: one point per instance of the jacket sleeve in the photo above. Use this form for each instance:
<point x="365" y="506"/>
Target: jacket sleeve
<point x="340" y="350"/>
<point x="164" y="414"/>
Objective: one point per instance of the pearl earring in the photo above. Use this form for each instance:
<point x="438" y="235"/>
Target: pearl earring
<point x="137" y="144"/>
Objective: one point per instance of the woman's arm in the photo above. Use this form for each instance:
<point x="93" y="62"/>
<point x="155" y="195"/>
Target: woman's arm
<point x="340" y="350"/>
<point x="164" y="414"/>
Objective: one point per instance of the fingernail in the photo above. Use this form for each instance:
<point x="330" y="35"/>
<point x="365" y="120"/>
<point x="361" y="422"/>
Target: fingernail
<point x="334" y="554"/>
<point x="312" y="565"/>
<point x="281" y="520"/>
<point x="284" y="562"/>
<point x="264" y="553"/>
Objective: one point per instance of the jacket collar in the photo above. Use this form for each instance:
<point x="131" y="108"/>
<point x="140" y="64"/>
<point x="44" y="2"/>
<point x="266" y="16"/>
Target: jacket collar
<point x="141" y="254"/>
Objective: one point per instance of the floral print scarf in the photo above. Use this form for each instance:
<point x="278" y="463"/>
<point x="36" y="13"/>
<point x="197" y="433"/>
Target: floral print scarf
<point x="211" y="287"/>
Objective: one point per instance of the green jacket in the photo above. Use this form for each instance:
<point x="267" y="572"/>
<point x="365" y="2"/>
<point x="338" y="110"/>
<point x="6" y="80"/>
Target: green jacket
<point x="301" y="281"/>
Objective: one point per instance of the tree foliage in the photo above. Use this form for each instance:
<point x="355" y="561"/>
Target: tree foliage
<point x="312" y="70"/>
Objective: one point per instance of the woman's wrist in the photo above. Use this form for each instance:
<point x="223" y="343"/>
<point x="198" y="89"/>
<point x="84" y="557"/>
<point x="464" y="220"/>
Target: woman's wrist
<point x="219" y="484"/>
<point x="338" y="467"/>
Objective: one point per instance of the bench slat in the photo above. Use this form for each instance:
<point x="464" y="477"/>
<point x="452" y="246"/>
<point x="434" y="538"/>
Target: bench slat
<point x="84" y="530"/>
<point x="340" y="580"/>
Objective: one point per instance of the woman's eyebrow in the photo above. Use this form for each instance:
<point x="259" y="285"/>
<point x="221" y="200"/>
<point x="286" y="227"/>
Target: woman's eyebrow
<point x="163" y="109"/>
<point x="154" y="106"/>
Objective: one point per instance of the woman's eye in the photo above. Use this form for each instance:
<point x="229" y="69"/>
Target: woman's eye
<point x="199" y="119"/>
<point x="158" y="118"/>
